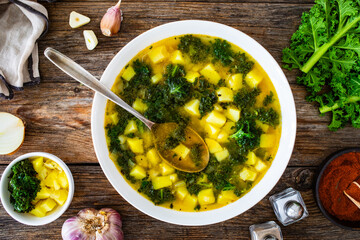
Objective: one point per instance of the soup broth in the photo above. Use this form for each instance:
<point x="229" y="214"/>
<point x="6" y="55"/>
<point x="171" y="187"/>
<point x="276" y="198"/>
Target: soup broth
<point x="215" y="88"/>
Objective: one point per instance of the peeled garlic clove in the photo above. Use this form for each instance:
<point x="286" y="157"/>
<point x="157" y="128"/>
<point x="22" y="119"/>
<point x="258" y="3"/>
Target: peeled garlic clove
<point x="77" y="20"/>
<point x="12" y="133"/>
<point x="111" y="21"/>
<point x="90" y="39"/>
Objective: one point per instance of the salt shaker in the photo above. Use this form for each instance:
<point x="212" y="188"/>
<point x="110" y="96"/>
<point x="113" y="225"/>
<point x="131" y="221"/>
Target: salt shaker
<point x="265" y="231"/>
<point x="289" y="207"/>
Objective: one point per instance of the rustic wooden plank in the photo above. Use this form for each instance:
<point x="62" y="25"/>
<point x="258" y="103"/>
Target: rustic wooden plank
<point x="93" y="190"/>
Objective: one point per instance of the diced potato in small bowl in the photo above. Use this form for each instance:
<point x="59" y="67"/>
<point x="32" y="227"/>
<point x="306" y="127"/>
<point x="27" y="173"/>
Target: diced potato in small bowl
<point x="45" y="184"/>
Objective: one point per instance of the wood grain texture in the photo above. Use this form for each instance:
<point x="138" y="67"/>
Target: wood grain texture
<point x="57" y="114"/>
<point x="93" y="190"/>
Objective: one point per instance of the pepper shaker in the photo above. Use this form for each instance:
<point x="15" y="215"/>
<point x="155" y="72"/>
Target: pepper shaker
<point x="289" y="207"/>
<point x="265" y="231"/>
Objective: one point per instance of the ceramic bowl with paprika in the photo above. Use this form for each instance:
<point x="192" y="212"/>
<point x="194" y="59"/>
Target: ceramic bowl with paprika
<point x="344" y="172"/>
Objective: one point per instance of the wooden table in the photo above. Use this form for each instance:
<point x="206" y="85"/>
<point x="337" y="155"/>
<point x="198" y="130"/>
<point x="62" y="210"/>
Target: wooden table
<point x="57" y="114"/>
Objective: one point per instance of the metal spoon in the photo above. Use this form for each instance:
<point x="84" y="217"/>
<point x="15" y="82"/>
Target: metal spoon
<point x="160" y="131"/>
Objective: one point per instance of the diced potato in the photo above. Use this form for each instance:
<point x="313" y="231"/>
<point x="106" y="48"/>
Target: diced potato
<point x="62" y="180"/>
<point x="43" y="173"/>
<point x="223" y="137"/>
<point x="153" y="157"/>
<point x="191" y="76"/>
<point x="210" y="74"/>
<point x="232" y="113"/>
<point x="129" y="73"/>
<point x="247" y="175"/>
<point x="180" y="184"/>
<point x="174" y="177"/>
<point x="181" y="150"/>
<point x="147" y="137"/>
<point x="225" y="94"/>
<point x="156" y="78"/>
<point x="43" y="193"/>
<point x="260" y="166"/>
<point x="267" y="140"/>
<point x="213" y="145"/>
<point x="251" y="159"/>
<point x="218" y="108"/>
<point x="235" y="82"/>
<point x="138" y="172"/>
<point x="38" y="211"/>
<point x="114" y="118"/>
<point x="153" y="173"/>
<point x="52" y="165"/>
<point x="166" y="169"/>
<point x="131" y="127"/>
<point x="158" y="54"/>
<point x="136" y="145"/>
<point x="253" y="78"/>
<point x="177" y="57"/>
<point x="211" y="130"/>
<point x="142" y="161"/>
<point x="59" y="196"/>
<point x="181" y="192"/>
<point x="216" y="118"/>
<point x="229" y="194"/>
<point x="229" y="127"/>
<point x="51" y="180"/>
<point x="122" y="139"/>
<point x="139" y="105"/>
<point x="48" y="205"/>
<point x="222" y="200"/>
<point x="38" y="164"/>
<point x="220" y="156"/>
<point x="226" y="196"/>
<point x="192" y="107"/>
<point x="263" y="126"/>
<point x="190" y="201"/>
<point x="161" y="182"/>
<point x="206" y="196"/>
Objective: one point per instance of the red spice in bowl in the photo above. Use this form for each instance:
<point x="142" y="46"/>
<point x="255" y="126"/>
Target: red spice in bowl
<point x="337" y="177"/>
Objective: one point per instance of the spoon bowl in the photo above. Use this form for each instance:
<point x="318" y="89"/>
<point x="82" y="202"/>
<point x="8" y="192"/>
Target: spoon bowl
<point x="189" y="155"/>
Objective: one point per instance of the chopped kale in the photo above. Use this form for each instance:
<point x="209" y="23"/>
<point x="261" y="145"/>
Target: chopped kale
<point x="268" y="116"/>
<point x="194" y="47"/>
<point x="158" y="196"/>
<point x="23" y="186"/>
<point x="268" y="99"/>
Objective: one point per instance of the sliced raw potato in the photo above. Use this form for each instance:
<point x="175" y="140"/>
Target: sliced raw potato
<point x="77" y="20"/>
<point x="12" y="133"/>
<point x="90" y="39"/>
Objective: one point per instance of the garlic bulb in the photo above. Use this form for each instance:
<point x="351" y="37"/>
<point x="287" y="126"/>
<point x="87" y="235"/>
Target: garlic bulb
<point x="91" y="224"/>
<point x="111" y="21"/>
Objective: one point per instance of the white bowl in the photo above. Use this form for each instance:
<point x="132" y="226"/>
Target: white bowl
<point x="27" y="218"/>
<point x="287" y="139"/>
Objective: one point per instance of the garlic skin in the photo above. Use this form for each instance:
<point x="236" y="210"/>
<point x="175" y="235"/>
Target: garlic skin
<point x="111" y="21"/>
<point x="91" y="224"/>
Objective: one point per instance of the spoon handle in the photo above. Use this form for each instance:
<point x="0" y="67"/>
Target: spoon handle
<point x="77" y="72"/>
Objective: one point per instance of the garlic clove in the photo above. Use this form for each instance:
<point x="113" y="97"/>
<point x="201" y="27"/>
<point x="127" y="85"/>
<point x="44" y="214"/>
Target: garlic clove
<point x="111" y="21"/>
<point x="77" y="20"/>
<point x="90" y="39"/>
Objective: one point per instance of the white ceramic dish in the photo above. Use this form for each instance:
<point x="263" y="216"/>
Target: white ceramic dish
<point x="27" y="218"/>
<point x="287" y="140"/>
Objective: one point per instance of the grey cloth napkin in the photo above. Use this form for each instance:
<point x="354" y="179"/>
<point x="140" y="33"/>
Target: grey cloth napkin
<point x="22" y="23"/>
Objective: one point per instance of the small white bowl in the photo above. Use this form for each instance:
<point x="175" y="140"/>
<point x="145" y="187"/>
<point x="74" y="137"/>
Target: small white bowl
<point x="27" y="218"/>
